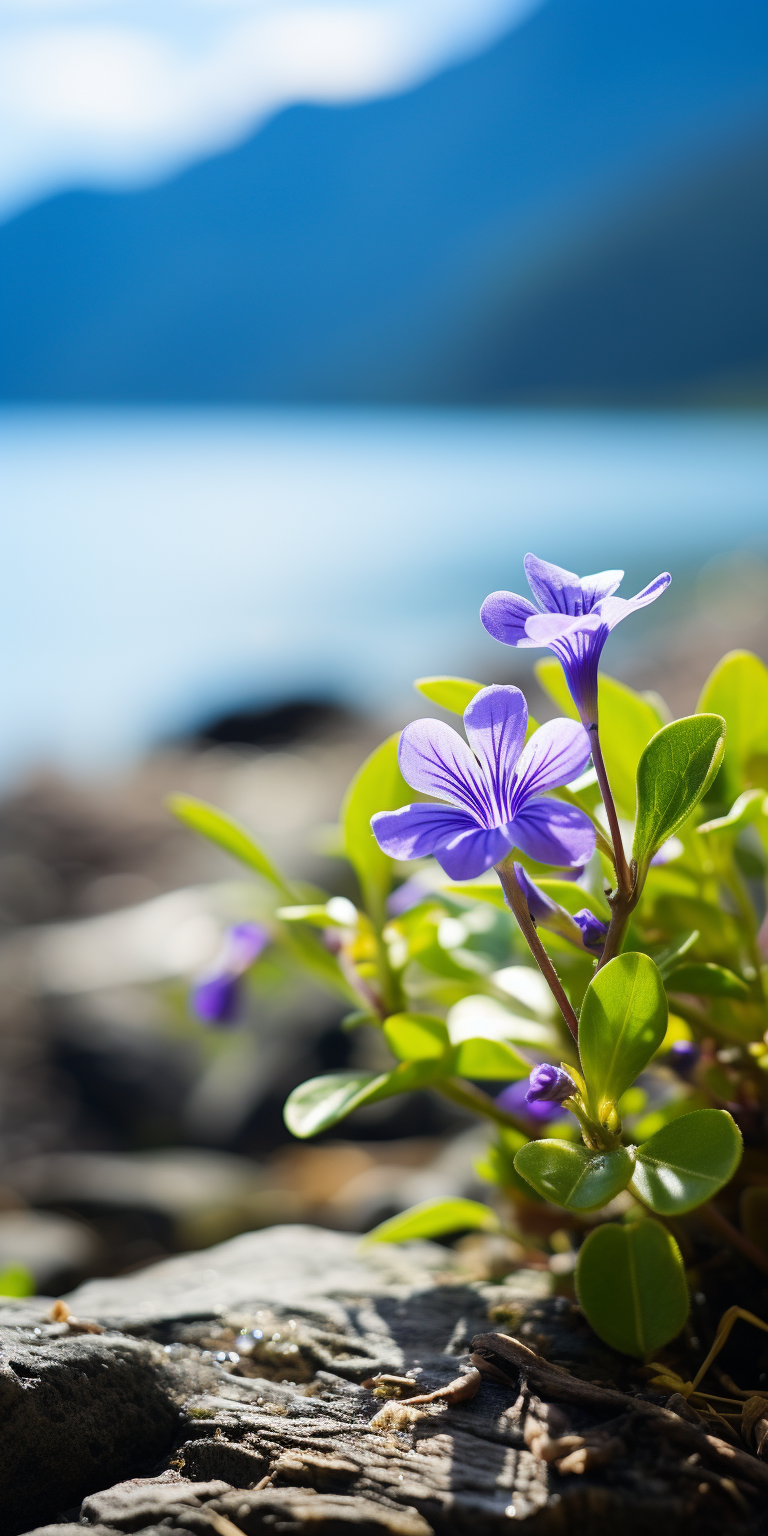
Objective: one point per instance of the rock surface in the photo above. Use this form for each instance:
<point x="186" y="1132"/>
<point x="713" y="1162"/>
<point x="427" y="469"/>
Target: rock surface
<point x="227" y="1395"/>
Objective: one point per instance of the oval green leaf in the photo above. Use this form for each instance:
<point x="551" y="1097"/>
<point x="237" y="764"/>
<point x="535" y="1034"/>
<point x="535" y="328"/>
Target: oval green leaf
<point x="675" y="770"/>
<point x="432" y="1218"/>
<point x="229" y="835"/>
<point x="623" y="1022"/>
<point x="482" y="1058"/>
<point x="687" y="1161"/>
<point x="377" y="786"/>
<point x="453" y="693"/>
<point x="416" y="1036"/>
<point x="738" y="690"/>
<point x="323" y="1101"/>
<point x="571" y="1175"/>
<point x="631" y="1287"/>
<point x="707" y="980"/>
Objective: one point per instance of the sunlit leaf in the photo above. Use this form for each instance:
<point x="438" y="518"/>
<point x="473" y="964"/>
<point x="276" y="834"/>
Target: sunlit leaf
<point x="433" y="1218"/>
<point x="377" y="786"/>
<point x="687" y="1161"/>
<point x="707" y="980"/>
<point x="738" y="690"/>
<point x="228" y="834"/>
<point x="453" y="693"/>
<point x="623" y="1022"/>
<point x="489" y="1058"/>
<point x="416" y="1036"/>
<point x="571" y="1175"/>
<point x="674" y="772"/>
<point x="628" y="720"/>
<point x="630" y="1283"/>
<point x="323" y="1101"/>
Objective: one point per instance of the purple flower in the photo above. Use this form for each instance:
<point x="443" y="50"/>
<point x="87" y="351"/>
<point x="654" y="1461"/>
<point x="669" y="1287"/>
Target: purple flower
<point x="583" y="929"/>
<point x="549" y="1084"/>
<point x="574" y="618"/>
<point x="514" y="1099"/>
<point x="216" y="997"/>
<point x="494" y="791"/>
<point x="683" y="1058"/>
<point x="593" y="930"/>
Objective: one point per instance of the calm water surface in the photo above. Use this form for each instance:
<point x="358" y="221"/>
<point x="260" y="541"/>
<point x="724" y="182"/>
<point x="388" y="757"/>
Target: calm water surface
<point x="161" y="565"/>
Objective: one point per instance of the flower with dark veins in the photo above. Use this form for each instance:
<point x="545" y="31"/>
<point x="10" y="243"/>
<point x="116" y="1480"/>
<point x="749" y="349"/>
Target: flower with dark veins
<point x="216" y="996"/>
<point x="494" y="788"/>
<point x="550" y="1085"/>
<point x="574" y="618"/>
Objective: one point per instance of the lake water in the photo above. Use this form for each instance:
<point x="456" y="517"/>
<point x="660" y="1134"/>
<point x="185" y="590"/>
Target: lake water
<point x="162" y="565"/>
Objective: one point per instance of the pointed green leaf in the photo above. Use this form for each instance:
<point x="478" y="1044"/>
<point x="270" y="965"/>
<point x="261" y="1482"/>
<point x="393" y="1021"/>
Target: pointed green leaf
<point x="323" y="1101"/>
<point x="377" y="786"/>
<point x="489" y="1058"/>
<point x="738" y="690"/>
<point x="631" y="1286"/>
<point x="748" y="808"/>
<point x="433" y="1218"/>
<point x="571" y="1175"/>
<point x="623" y="1022"/>
<point x="416" y="1036"/>
<point x="675" y="770"/>
<point x="221" y="829"/>
<point x="707" y="980"/>
<point x="687" y="1161"/>
<point x="453" y="693"/>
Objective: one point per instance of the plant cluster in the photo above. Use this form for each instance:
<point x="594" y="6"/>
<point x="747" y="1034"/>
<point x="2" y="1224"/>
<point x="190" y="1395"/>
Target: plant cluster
<point x="622" y="853"/>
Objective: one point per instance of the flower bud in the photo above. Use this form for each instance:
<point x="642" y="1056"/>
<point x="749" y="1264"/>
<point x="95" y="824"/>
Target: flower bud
<point x="550" y="1084"/>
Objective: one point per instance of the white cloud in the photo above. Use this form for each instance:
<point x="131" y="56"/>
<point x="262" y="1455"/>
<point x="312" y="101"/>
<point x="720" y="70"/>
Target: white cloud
<point x="122" y="92"/>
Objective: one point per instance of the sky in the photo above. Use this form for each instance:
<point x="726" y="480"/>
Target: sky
<point x="120" y="93"/>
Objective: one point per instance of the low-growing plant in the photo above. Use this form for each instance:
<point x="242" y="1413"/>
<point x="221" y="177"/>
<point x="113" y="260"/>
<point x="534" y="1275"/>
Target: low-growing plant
<point x="626" y="855"/>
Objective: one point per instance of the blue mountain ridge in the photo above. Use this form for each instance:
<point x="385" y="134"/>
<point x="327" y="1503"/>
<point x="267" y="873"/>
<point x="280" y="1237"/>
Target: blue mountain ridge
<point x="580" y="212"/>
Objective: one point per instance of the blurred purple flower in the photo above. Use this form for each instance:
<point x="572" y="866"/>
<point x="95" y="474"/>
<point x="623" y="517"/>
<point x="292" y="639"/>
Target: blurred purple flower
<point x="494" y="791"/>
<point x="514" y="1099"/>
<point x="583" y="929"/>
<point x="574" y="619"/>
<point x="216" y="997"/>
<point x="682" y="1058"/>
<point x="549" y="1084"/>
<point x="407" y="895"/>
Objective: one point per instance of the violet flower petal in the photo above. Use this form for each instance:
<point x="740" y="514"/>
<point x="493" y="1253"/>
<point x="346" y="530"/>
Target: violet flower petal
<point x="553" y="833"/>
<point x="244" y="943"/>
<point x="514" y="1100"/>
<point x="594" y="931"/>
<point x="505" y="615"/>
<point x="461" y="848"/>
<point x="436" y="760"/>
<point x="614" y="609"/>
<point x="540" y="906"/>
<point x="556" y="753"/>
<point x="550" y="1084"/>
<point x="495" y="722"/>
<point x="216" y="999"/>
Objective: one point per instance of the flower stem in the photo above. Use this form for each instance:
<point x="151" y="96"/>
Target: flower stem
<point x="519" y="906"/>
<point x="623" y="876"/>
<point x="480" y="1103"/>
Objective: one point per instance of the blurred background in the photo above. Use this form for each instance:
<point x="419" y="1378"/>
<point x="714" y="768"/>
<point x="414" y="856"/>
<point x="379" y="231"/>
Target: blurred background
<point x="316" y="315"/>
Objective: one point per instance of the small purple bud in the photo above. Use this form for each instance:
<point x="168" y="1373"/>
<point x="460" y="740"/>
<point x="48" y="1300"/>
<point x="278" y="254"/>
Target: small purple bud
<point x="541" y="907"/>
<point x="514" y="1099"/>
<point x="683" y="1057"/>
<point x="593" y="930"/>
<point x="549" y="1084"/>
<point x="216" y="997"/>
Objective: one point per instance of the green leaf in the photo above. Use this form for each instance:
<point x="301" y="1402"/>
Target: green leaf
<point x="323" y="1101"/>
<point x="623" y="1022"/>
<point x="573" y="1176"/>
<point x="17" y="1280"/>
<point x="707" y="980"/>
<point x="745" y="810"/>
<point x="228" y="834"/>
<point x="453" y="693"/>
<point x="630" y="1283"/>
<point x="416" y="1036"/>
<point x="433" y="1218"/>
<point x="738" y="690"/>
<point x="493" y="895"/>
<point x="675" y="770"/>
<point x="687" y="1161"/>
<point x="627" y="723"/>
<point x="489" y="1058"/>
<point x="377" y="786"/>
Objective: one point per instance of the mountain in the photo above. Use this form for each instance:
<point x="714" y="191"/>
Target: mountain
<point x="578" y="213"/>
